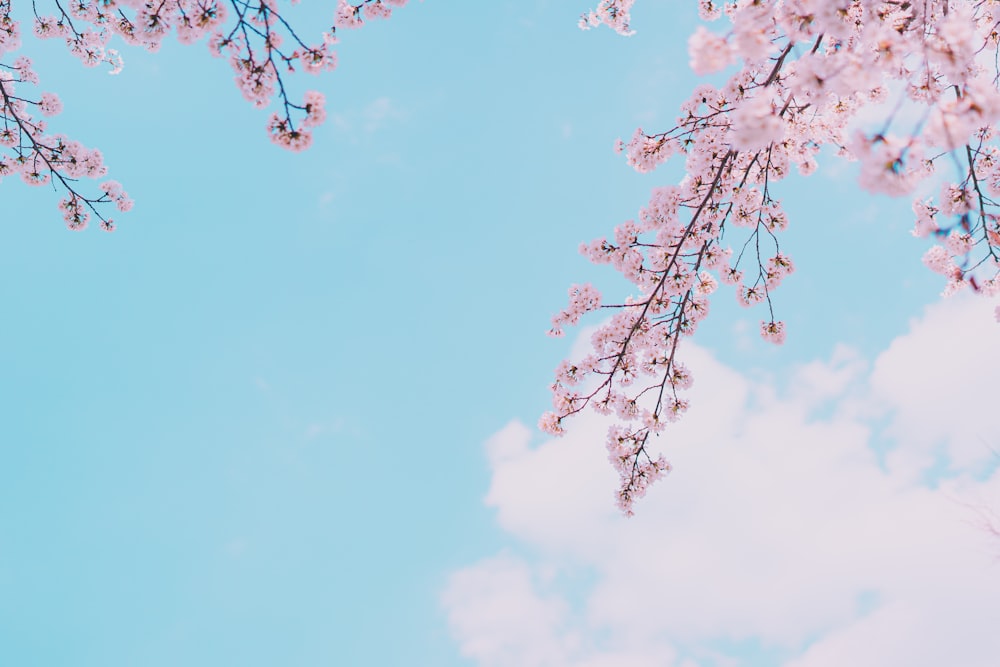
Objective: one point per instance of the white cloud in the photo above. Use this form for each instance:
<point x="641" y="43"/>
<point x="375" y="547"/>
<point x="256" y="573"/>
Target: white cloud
<point x="780" y="524"/>
<point x="507" y="622"/>
<point x="937" y="379"/>
<point x="500" y="608"/>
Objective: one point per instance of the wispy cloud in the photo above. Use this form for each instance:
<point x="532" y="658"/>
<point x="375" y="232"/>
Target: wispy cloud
<point x="370" y="118"/>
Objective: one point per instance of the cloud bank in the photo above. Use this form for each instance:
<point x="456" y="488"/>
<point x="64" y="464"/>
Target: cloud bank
<point x="840" y="517"/>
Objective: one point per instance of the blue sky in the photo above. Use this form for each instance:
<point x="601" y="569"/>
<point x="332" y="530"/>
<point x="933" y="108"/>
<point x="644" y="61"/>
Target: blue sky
<point x="248" y="427"/>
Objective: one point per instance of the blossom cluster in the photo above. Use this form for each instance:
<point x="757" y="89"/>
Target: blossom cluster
<point x="612" y="13"/>
<point x="41" y="158"/>
<point x="256" y="37"/>
<point x="800" y="71"/>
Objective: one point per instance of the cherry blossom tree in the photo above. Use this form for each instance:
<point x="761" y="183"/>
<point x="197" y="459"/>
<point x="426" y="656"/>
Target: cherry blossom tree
<point x="800" y="72"/>
<point x="256" y="36"/>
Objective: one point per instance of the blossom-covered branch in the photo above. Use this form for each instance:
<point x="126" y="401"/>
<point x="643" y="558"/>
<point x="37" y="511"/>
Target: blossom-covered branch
<point x="256" y="36"/>
<point x="804" y="69"/>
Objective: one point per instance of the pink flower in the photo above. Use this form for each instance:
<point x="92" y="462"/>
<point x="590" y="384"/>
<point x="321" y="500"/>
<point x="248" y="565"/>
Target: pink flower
<point x="938" y="260"/>
<point x="49" y="105"/>
<point x="314" y="104"/>
<point x="773" y="332"/>
<point x="550" y="423"/>
<point x="582" y="299"/>
<point x="318" y="59"/>
<point x="755" y="124"/>
<point x="376" y="9"/>
<point x="612" y="13"/>
<point x="347" y="15"/>
<point x="749" y="296"/>
<point x="709" y="52"/>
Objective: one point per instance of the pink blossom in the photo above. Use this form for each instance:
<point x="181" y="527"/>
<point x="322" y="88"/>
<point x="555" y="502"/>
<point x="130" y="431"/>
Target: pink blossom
<point x="49" y="105"/>
<point x="318" y="59"/>
<point x="612" y="13"/>
<point x="807" y="68"/>
<point x="938" y="260"/>
<point x="749" y="296"/>
<point x="315" y="107"/>
<point x="925" y="223"/>
<point x="259" y="41"/>
<point x="709" y="52"/>
<point x="959" y="243"/>
<point x="773" y="332"/>
<point x="347" y="15"/>
<point x="550" y="423"/>
<point x="582" y="299"/>
<point x="376" y="9"/>
<point x="756" y="124"/>
<point x="710" y="10"/>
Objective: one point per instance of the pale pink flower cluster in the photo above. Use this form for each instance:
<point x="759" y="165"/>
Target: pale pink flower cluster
<point x="256" y="36"/>
<point x="889" y="164"/>
<point x="582" y="299"/>
<point x="773" y="332"/>
<point x="777" y="268"/>
<point x="710" y="10"/>
<point x="755" y="124"/>
<point x="709" y="52"/>
<point x="114" y="192"/>
<point x="74" y="213"/>
<point x="613" y="13"/>
<point x="314" y="105"/>
<point x="925" y="212"/>
<point x="954" y="119"/>
<point x="49" y="104"/>
<point x="42" y="158"/>
<point x="10" y="32"/>
<point x="285" y="134"/>
<point x="626" y="453"/>
<point x="645" y="152"/>
<point x="349" y="15"/>
<point x="804" y="69"/>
